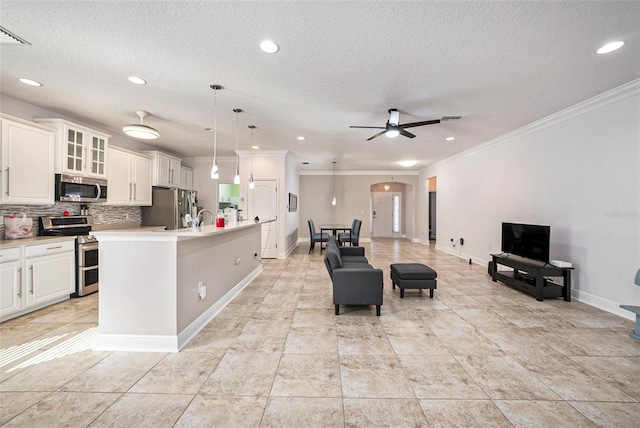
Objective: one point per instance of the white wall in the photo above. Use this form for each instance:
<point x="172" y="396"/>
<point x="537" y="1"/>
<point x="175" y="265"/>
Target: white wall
<point x="577" y="171"/>
<point x="291" y="219"/>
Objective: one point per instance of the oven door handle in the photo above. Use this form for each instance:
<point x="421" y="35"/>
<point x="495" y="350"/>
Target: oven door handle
<point x="88" y="247"/>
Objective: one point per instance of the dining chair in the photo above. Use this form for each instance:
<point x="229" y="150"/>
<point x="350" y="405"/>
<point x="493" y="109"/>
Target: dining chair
<point x="354" y="239"/>
<point x="315" y="236"/>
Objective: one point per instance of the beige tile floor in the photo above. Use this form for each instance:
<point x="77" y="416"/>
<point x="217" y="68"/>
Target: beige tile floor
<point x="478" y="354"/>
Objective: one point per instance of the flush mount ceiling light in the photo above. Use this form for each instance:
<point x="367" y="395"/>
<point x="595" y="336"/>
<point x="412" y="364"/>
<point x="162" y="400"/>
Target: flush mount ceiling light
<point x="137" y="80"/>
<point x="140" y="130"/>
<point x="215" y="174"/>
<point x="451" y="138"/>
<point x="30" y="82"/>
<point x="610" y="47"/>
<point x="268" y="46"/>
<point x="408" y="163"/>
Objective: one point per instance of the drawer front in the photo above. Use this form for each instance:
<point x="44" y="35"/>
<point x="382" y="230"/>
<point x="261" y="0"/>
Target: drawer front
<point x="50" y="248"/>
<point x="9" y="254"/>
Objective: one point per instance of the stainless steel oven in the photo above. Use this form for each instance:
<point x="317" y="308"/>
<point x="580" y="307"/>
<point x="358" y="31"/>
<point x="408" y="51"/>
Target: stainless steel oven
<point x="88" y="265"/>
<point x="87" y="252"/>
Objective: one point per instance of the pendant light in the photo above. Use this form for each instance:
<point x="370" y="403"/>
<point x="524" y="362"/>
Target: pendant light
<point x="236" y="178"/>
<point x="215" y="174"/>
<point x="252" y="184"/>
<point x="333" y="201"/>
<point x="140" y="130"/>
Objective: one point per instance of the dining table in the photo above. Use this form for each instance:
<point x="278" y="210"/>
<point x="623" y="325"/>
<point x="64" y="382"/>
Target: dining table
<point x="334" y="229"/>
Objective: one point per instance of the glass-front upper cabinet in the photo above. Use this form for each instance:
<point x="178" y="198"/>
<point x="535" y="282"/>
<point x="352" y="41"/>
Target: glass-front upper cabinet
<point x="75" y="151"/>
<point x="78" y="150"/>
<point x="98" y="150"/>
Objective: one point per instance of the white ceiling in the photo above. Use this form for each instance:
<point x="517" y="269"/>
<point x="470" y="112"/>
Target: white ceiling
<point x="501" y="65"/>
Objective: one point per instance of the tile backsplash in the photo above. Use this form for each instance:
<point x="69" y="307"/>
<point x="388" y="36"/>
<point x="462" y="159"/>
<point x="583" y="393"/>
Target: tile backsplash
<point x="102" y="214"/>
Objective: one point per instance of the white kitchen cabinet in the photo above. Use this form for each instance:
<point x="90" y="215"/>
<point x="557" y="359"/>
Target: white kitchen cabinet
<point x="166" y="169"/>
<point x="33" y="276"/>
<point x="79" y="150"/>
<point x="186" y="178"/>
<point x="27" y="163"/>
<point x="10" y="281"/>
<point x="129" y="178"/>
<point x="50" y="272"/>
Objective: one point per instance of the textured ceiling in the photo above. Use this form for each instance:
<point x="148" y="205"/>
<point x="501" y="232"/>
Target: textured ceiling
<point x="500" y="65"/>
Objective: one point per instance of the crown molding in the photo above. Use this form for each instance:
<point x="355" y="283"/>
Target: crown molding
<point x="606" y="98"/>
<point x="392" y="173"/>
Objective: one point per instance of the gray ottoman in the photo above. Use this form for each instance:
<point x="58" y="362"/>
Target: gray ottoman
<point x="414" y="276"/>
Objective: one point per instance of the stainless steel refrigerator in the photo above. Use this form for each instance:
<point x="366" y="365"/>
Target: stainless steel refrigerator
<point x="169" y="208"/>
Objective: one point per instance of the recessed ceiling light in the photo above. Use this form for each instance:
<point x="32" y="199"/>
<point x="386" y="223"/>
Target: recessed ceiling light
<point x="408" y="163"/>
<point x="268" y="46"/>
<point x="255" y="147"/>
<point x="301" y="138"/>
<point x="610" y="47"/>
<point x="451" y="138"/>
<point x="30" y="82"/>
<point x="305" y="163"/>
<point x="137" y="80"/>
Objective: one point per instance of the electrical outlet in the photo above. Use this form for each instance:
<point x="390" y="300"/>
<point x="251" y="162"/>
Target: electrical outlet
<point x="126" y="216"/>
<point x="238" y="260"/>
<point x="202" y="290"/>
<point x="100" y="217"/>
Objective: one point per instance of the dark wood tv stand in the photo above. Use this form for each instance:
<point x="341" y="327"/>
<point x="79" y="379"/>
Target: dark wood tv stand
<point x="532" y="277"/>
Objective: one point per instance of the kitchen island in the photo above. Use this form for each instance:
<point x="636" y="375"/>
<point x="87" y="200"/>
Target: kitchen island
<point x="158" y="289"/>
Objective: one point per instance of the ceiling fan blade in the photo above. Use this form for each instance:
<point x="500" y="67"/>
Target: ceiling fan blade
<point x="377" y="135"/>
<point x="371" y="127"/>
<point x="414" y="124"/>
<point x="407" y="134"/>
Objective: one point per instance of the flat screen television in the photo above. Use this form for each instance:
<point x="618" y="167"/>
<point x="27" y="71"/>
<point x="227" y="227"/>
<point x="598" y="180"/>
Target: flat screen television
<point x="526" y="240"/>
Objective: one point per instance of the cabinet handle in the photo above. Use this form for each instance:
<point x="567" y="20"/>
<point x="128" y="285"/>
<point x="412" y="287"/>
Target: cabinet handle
<point x="31" y="284"/>
<point x="129" y="197"/>
<point x="54" y="248"/>
<point x="135" y="193"/>
<point x="20" y="282"/>
<point x="7" y="192"/>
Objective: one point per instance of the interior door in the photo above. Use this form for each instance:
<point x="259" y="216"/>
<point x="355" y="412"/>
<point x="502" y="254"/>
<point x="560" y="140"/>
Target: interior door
<point x="263" y="202"/>
<point x="382" y="216"/>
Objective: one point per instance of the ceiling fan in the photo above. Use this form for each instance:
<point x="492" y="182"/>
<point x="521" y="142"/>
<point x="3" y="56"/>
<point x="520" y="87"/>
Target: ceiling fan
<point x="394" y="128"/>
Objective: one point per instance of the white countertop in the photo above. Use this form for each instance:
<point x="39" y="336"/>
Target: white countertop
<point x="151" y="233"/>
<point x="7" y="243"/>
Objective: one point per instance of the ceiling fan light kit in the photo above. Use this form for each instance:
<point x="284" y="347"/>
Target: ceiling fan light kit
<point x="140" y="130"/>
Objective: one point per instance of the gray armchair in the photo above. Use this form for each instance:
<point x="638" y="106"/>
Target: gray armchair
<point x="354" y="238"/>
<point x="315" y="236"/>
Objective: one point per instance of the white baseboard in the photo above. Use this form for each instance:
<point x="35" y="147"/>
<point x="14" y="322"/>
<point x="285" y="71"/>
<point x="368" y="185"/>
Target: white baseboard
<point x="600" y="303"/>
<point x="136" y="343"/>
<point x="166" y="343"/>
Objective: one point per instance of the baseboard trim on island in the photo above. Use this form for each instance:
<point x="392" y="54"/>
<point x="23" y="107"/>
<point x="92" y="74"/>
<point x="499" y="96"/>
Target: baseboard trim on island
<point x="198" y="324"/>
<point x="165" y="343"/>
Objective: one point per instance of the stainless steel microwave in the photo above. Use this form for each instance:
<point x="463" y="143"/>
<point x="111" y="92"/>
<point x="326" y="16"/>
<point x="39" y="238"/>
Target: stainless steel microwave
<point x="75" y="188"/>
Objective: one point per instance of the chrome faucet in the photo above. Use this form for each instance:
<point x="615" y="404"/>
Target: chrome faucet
<point x="200" y="215"/>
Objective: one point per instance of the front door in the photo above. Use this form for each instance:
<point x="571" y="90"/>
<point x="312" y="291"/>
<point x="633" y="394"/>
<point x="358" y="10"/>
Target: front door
<point x="263" y="203"/>
<point x="382" y="215"/>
